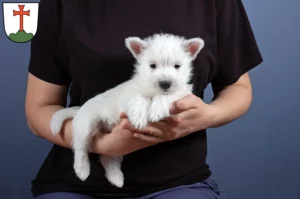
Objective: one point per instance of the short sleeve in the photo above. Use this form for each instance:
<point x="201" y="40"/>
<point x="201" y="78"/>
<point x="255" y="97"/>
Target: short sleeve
<point x="237" y="49"/>
<point x="46" y="61"/>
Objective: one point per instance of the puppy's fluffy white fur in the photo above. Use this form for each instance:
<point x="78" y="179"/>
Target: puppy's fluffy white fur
<point x="162" y="71"/>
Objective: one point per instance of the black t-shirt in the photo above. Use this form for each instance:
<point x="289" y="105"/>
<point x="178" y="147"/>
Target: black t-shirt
<point x="80" y="43"/>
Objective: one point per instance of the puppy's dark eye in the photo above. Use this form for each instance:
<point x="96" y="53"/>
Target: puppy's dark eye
<point x="177" y="66"/>
<point x="153" y="66"/>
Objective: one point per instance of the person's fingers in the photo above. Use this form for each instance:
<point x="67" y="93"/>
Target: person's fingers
<point x="122" y="123"/>
<point x="192" y="123"/>
<point x="185" y="122"/>
<point x="185" y="115"/>
<point x="162" y="125"/>
<point x="153" y="131"/>
<point x="166" y="130"/>
<point x="148" y="138"/>
<point x="182" y="117"/>
<point x="123" y="115"/>
<point x="188" y="102"/>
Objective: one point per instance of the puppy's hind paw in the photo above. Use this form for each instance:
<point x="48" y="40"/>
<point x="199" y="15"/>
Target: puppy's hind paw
<point x="116" y="178"/>
<point x="82" y="170"/>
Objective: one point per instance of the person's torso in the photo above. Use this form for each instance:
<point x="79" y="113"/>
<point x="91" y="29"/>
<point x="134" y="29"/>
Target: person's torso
<point x="92" y="41"/>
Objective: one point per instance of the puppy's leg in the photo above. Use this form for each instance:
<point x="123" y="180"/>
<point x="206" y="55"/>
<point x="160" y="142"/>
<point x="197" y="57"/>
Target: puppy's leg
<point x="137" y="111"/>
<point x="159" y="108"/>
<point x="113" y="173"/>
<point x="84" y="125"/>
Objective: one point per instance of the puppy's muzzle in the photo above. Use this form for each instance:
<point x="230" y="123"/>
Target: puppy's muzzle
<point x="165" y="85"/>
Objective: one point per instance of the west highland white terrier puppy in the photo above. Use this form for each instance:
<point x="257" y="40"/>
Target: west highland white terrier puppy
<point x="163" y="70"/>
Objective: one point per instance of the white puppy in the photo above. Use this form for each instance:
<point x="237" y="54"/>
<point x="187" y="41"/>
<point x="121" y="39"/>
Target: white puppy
<point x="162" y="73"/>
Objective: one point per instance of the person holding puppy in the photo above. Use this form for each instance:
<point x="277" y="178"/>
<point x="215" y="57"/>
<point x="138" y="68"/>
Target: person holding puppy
<point x="79" y="47"/>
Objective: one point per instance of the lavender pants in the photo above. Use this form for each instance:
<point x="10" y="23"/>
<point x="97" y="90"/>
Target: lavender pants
<point x="207" y="189"/>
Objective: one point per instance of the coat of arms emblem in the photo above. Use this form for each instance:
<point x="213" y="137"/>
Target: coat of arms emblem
<point x="20" y="21"/>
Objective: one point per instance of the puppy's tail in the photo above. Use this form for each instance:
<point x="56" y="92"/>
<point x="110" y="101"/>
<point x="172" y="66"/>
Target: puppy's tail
<point x="59" y="117"/>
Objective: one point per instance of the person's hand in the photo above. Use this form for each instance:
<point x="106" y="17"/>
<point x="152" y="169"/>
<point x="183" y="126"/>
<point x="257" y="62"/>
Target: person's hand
<point x="188" y="115"/>
<point x="120" y="141"/>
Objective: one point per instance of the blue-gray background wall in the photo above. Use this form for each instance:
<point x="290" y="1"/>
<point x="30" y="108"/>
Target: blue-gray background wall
<point x="257" y="156"/>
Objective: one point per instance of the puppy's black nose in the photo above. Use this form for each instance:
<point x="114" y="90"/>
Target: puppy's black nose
<point x="165" y="84"/>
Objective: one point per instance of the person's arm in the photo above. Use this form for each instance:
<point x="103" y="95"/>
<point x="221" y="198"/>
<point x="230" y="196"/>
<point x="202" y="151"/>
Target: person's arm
<point x="42" y="100"/>
<point x="237" y="54"/>
<point x="192" y="114"/>
<point x="48" y="82"/>
<point x="232" y="102"/>
<point x="48" y="76"/>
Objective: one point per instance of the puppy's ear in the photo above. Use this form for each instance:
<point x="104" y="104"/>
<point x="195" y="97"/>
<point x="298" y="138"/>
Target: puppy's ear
<point x="135" y="45"/>
<point x="194" y="46"/>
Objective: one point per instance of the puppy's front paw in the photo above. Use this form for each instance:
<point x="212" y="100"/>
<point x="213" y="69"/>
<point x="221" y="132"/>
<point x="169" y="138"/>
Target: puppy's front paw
<point x="137" y="112"/>
<point x="158" y="111"/>
<point x="138" y="117"/>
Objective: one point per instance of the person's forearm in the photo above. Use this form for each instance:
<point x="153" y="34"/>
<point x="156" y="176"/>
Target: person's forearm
<point x="230" y="104"/>
<point x="39" y="123"/>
